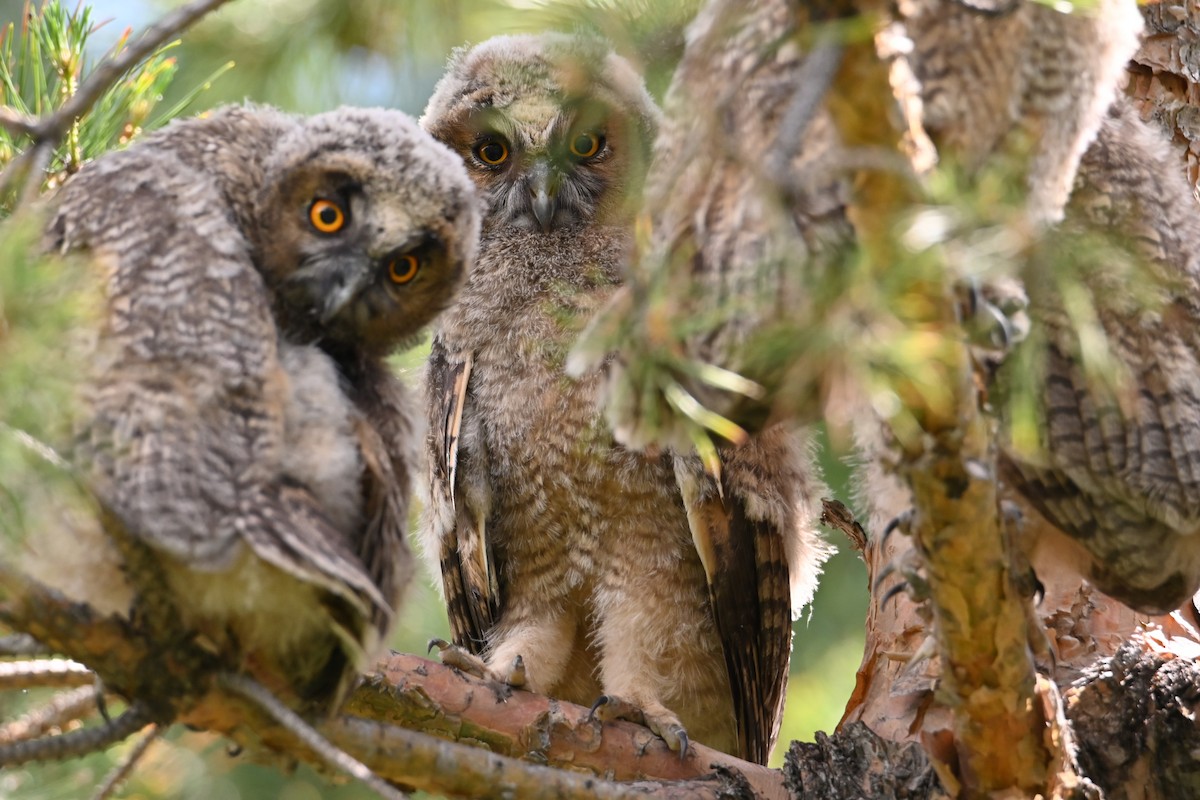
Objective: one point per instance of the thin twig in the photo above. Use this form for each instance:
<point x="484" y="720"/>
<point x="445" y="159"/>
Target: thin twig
<point x="118" y="774"/>
<point x="835" y="514"/>
<point x="51" y="672"/>
<point x="76" y="743"/>
<point x="257" y="694"/>
<point x="107" y="73"/>
<point x="17" y="123"/>
<point x="39" y="159"/>
<point x="63" y="708"/>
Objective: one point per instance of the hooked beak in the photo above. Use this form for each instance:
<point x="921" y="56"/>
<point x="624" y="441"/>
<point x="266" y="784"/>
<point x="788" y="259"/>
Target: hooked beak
<point x="541" y="195"/>
<point x="342" y="295"/>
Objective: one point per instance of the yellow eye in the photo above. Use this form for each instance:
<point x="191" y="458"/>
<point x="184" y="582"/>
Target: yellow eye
<point x="326" y="216"/>
<point x="586" y="144"/>
<point x="403" y="269"/>
<point x="492" y="152"/>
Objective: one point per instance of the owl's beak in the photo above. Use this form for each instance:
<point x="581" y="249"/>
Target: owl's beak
<point x="541" y="195"/>
<point x="341" y="296"/>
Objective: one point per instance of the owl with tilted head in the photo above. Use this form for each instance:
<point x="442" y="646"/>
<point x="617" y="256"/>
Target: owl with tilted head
<point x="250" y="448"/>
<point x="637" y="583"/>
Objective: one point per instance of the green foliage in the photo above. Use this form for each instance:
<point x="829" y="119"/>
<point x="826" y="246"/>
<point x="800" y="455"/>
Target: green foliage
<point x="44" y="62"/>
<point x="392" y="52"/>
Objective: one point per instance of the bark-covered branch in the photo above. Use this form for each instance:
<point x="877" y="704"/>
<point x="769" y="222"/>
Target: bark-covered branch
<point x="949" y="464"/>
<point x="415" y="693"/>
<point x="416" y="722"/>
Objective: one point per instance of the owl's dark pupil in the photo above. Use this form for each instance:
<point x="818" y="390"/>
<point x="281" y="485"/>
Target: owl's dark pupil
<point x="328" y="215"/>
<point x="493" y="151"/>
<point x="583" y="144"/>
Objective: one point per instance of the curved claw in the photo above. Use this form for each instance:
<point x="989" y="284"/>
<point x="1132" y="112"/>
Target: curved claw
<point x="516" y="673"/>
<point x="901" y="522"/>
<point x="601" y="700"/>
<point x="1039" y="588"/>
<point x="899" y="588"/>
<point x="684" y="742"/>
<point x="889" y="569"/>
<point x="440" y="644"/>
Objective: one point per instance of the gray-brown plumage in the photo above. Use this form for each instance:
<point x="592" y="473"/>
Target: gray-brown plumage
<point x="1018" y="75"/>
<point x="1118" y="470"/>
<point x="572" y="565"/>
<point x="744" y="209"/>
<point x="243" y="434"/>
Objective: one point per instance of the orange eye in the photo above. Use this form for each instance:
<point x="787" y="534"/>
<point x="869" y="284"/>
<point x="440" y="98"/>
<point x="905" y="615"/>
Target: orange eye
<point x="492" y="152"/>
<point x="586" y="144"/>
<point x="326" y="216"/>
<point x="403" y="269"/>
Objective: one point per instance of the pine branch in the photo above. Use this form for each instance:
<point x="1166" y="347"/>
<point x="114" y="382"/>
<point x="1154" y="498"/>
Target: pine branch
<point x="442" y="767"/>
<point x="63" y="708"/>
<point x="50" y="129"/>
<point x="415" y="693"/>
<point x="76" y="743"/>
<point x="48" y="672"/>
<point x="405" y="691"/>
<point x="113" y="780"/>
<point x="948" y="459"/>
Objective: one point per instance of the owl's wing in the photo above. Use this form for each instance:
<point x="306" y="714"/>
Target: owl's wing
<point x="384" y="552"/>
<point x="458" y="499"/>
<point x="289" y="530"/>
<point x="755" y="530"/>
<point x="748" y="587"/>
<point x="1124" y="482"/>
<point x="184" y="421"/>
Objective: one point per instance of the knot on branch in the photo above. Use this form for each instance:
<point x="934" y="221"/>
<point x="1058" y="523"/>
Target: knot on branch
<point x="858" y="764"/>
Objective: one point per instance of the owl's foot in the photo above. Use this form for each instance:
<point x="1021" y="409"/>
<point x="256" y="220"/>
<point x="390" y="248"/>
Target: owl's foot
<point x="909" y="566"/>
<point x="1028" y="586"/>
<point x="460" y="658"/>
<point x="655" y="716"/>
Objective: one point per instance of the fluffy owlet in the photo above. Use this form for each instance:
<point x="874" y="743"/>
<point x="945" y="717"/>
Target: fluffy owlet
<point x="571" y="565"/>
<point x="989" y="68"/>
<point x="1118" y="467"/>
<point x="250" y="449"/>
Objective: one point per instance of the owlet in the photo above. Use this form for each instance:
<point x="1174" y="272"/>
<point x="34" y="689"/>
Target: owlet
<point x="250" y="449"/>
<point x="571" y="565"/>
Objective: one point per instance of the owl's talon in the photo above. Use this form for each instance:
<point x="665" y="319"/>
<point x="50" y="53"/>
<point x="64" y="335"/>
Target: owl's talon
<point x="911" y="580"/>
<point x="898" y="589"/>
<point x="659" y="720"/>
<point x="889" y="569"/>
<point x="460" y="658"/>
<point x="901" y="522"/>
<point x="601" y="701"/>
<point x="516" y="673"/>
<point x="684" y="742"/>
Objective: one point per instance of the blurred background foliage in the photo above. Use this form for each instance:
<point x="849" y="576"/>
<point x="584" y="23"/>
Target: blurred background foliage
<point x="306" y="56"/>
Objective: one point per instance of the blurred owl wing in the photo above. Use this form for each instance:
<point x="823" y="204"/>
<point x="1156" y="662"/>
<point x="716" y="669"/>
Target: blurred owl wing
<point x="288" y="529"/>
<point x="458" y="494"/>
<point x="738" y="552"/>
